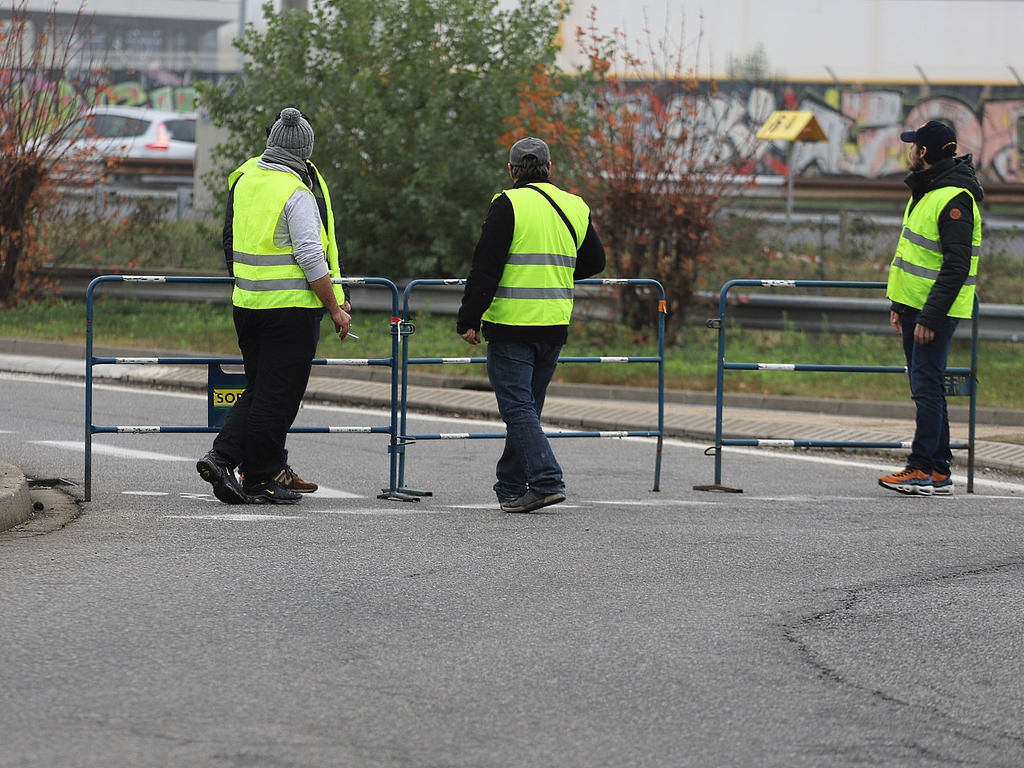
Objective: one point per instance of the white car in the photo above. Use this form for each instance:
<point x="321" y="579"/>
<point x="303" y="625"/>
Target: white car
<point x="133" y="133"/>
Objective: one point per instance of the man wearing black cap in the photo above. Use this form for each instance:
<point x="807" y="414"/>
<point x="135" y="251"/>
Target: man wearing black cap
<point x="931" y="286"/>
<point x="535" y="241"/>
<point x="282" y="287"/>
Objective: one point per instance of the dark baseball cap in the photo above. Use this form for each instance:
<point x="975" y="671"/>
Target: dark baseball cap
<point x="938" y="138"/>
<point x="529" y="151"/>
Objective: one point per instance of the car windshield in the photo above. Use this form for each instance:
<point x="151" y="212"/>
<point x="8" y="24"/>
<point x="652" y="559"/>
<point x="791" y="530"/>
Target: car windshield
<point x="107" y="127"/>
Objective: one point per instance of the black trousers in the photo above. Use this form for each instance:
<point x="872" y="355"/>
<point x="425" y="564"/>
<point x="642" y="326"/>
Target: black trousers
<point x="278" y="346"/>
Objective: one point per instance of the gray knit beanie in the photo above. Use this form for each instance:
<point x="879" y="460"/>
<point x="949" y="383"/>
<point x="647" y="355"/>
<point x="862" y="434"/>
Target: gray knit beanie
<point x="292" y="132"/>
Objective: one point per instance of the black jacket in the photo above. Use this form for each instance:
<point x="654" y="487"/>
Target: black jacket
<point x="956" y="230"/>
<point x="489" y="259"/>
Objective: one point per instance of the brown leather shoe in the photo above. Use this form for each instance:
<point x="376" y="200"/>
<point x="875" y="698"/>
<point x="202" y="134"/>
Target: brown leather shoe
<point x="288" y="479"/>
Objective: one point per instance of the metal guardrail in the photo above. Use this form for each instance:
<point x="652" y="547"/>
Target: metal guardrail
<point x="813" y="313"/>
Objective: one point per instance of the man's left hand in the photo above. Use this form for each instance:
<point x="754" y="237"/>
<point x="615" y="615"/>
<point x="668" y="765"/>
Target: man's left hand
<point x="471" y="336"/>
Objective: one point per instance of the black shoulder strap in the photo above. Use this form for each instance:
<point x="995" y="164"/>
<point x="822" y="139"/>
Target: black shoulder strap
<point x="572" y="232"/>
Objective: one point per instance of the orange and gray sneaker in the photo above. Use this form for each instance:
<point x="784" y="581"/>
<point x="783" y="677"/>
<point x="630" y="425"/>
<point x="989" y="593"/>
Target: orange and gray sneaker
<point x="909" y="481"/>
<point x="287" y="478"/>
<point x="942" y="485"/>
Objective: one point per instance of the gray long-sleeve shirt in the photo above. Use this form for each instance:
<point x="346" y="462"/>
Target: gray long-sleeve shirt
<point x="299" y="228"/>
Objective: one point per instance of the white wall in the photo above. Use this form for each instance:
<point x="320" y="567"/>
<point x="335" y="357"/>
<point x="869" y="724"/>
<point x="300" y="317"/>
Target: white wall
<point x="950" y="40"/>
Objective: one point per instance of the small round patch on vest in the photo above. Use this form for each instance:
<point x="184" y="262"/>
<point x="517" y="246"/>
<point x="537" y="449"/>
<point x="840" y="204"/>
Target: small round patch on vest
<point x="955" y="213"/>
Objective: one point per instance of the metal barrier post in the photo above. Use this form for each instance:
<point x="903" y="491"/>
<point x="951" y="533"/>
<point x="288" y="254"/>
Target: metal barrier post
<point x="716" y="451"/>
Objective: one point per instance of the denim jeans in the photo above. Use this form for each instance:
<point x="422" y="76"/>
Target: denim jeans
<point x="520" y="374"/>
<point x="926" y="365"/>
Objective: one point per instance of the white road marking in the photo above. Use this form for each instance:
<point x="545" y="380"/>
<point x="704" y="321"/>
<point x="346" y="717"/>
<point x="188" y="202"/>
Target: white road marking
<point x="145" y="493"/>
<point x="383" y="512"/>
<point x="655" y="503"/>
<point x="333" y="493"/>
<point x="236" y="517"/>
<point x="108" y="450"/>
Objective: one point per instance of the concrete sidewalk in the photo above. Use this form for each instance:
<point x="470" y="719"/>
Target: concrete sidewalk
<point x="999" y="434"/>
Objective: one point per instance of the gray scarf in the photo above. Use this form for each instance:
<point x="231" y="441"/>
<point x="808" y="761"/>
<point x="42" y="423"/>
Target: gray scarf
<point x="281" y="156"/>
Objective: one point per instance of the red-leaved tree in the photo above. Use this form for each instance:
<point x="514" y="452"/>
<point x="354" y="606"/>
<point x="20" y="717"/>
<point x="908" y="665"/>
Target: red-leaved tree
<point x="644" y="151"/>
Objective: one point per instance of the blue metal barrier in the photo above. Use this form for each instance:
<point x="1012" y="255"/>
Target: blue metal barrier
<point x="959" y="381"/>
<point x="91" y="360"/>
<point x="406" y="329"/>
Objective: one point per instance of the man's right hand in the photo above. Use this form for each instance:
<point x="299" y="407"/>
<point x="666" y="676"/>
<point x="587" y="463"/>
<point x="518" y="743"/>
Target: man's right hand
<point x="471" y="336"/>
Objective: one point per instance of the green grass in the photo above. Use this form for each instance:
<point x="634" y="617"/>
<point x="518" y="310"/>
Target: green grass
<point x="690" y="361"/>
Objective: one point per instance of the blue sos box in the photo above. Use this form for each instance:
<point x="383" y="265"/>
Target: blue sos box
<point x="223" y="390"/>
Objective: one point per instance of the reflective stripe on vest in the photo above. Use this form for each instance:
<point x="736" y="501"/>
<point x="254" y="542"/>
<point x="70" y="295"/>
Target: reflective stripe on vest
<point x="918" y="258"/>
<point x="332" y="251"/>
<point x="536" y="285"/>
<point x="267" y="275"/>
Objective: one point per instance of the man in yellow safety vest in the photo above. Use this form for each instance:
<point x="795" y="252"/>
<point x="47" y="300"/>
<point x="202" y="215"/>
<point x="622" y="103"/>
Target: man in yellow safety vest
<point x="282" y="288"/>
<point x="931" y="285"/>
<point x="288" y="477"/>
<point x="535" y="241"/>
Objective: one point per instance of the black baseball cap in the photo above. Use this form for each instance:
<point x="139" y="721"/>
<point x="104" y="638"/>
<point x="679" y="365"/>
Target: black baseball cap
<point x="529" y="151"/>
<point x="938" y="138"/>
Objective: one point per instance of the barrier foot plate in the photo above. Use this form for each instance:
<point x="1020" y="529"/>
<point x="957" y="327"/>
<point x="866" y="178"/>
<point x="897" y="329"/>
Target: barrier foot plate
<point x="718" y="488"/>
<point x="388" y="493"/>
<point x="415" y="492"/>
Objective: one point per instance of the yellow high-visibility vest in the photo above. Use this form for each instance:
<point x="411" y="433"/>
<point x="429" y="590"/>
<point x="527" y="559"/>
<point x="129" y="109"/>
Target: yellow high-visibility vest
<point x="267" y="275"/>
<point x="536" y="286"/>
<point x="331" y="250"/>
<point x="918" y="258"/>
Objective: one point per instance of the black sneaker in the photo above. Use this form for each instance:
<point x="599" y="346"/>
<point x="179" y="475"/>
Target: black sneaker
<point x="532" y="500"/>
<point x="214" y="470"/>
<point x="271" y="492"/>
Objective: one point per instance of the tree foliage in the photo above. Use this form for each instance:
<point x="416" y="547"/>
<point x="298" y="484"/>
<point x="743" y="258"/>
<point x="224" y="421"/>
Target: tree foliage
<point x="36" y="101"/>
<point x="407" y="99"/>
<point x="636" y="133"/>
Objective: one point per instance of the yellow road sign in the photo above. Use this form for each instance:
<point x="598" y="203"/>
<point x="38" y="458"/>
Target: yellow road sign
<point x="788" y="125"/>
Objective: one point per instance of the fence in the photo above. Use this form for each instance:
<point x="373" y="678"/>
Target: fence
<point x="959" y="381"/>
<point x="407" y="329"/>
<point x="220" y="383"/>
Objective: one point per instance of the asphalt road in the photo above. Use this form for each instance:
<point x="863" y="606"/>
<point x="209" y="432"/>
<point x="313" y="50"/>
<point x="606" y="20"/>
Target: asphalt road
<point x="815" y="619"/>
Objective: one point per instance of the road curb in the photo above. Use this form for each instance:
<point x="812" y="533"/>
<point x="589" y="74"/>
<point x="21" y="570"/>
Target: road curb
<point x="15" y="501"/>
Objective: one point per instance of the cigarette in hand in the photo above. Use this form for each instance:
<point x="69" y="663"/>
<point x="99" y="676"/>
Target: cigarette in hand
<point x="351" y="336"/>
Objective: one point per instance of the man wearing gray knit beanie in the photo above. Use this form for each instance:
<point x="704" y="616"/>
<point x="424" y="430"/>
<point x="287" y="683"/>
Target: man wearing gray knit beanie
<point x="283" y="259"/>
<point x="292" y="132"/>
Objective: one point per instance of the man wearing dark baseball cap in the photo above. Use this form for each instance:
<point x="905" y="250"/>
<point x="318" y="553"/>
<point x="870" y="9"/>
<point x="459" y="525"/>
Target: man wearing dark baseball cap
<point x="938" y="138"/>
<point x="931" y="286"/>
<point x="536" y="240"/>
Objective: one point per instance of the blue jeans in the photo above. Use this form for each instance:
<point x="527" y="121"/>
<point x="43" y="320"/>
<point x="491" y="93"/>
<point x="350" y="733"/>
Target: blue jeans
<point x="926" y="365"/>
<point x="520" y="374"/>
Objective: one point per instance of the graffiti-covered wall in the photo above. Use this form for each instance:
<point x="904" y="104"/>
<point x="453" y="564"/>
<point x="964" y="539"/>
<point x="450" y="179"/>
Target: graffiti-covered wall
<point x="863" y="123"/>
